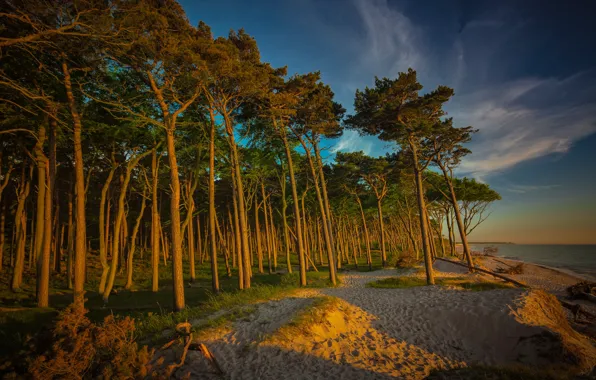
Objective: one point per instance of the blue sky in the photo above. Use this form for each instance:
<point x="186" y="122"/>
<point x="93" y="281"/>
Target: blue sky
<point x="524" y="74"/>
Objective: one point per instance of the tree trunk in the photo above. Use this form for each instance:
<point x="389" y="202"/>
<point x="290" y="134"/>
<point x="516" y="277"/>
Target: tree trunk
<point x="212" y="216"/>
<point x="155" y="225"/>
<point x="430" y="278"/>
<point x="382" y="232"/>
<point x="177" y="275"/>
<point x="103" y="229"/>
<point x="133" y="243"/>
<point x="20" y="223"/>
<point x="241" y="202"/>
<point x="460" y="224"/>
<point x="298" y="223"/>
<point x="258" y="236"/>
<point x="325" y="198"/>
<point x="237" y="240"/>
<point x="366" y="234"/>
<point x="80" y="246"/>
<point x="119" y="223"/>
<point x="43" y="263"/>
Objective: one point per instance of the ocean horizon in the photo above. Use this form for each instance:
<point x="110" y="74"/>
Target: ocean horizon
<point x="578" y="258"/>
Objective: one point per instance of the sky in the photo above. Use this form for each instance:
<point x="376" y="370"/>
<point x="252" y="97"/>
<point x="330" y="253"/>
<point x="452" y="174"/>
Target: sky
<point x="524" y="74"/>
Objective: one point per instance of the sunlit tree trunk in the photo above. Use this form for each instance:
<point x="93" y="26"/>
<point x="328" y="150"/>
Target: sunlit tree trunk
<point x="103" y="229"/>
<point x="80" y="240"/>
<point x="297" y="221"/>
<point x="212" y="216"/>
<point x="430" y="278"/>
<point x="133" y="242"/>
<point x="43" y="265"/>
<point x="155" y="225"/>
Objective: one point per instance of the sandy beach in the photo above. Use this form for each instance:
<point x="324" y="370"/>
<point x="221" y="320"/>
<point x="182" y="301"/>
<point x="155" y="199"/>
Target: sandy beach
<point x="371" y="333"/>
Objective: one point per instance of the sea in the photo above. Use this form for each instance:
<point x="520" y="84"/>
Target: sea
<point x="580" y="259"/>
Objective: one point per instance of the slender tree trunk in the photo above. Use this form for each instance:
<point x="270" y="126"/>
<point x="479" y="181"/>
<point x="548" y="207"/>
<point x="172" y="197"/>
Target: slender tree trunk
<point x="285" y="220"/>
<point x="267" y="230"/>
<point x="366" y="234"/>
<point x="325" y="197"/>
<point x="43" y="265"/>
<point x="133" y="243"/>
<point x="80" y="241"/>
<point x="103" y="229"/>
<point x="237" y="233"/>
<point x="21" y="225"/>
<point x="458" y="219"/>
<point x="258" y="236"/>
<point x="155" y="224"/>
<point x="212" y="216"/>
<point x="70" y="247"/>
<point x="382" y="232"/>
<point x="119" y="223"/>
<point x="177" y="275"/>
<point x="430" y="278"/>
<point x="241" y="202"/>
<point x="299" y="235"/>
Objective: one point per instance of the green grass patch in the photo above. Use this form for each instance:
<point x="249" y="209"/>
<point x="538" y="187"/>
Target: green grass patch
<point x="459" y="282"/>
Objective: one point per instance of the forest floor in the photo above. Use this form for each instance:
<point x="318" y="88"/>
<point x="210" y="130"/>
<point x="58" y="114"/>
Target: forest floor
<point x="362" y="331"/>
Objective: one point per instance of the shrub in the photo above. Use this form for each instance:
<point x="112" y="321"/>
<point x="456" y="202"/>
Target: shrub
<point x="83" y="349"/>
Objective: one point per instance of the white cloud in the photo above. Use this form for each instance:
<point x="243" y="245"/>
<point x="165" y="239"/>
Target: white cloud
<point x="522" y="189"/>
<point x="351" y="141"/>
<point x="391" y="40"/>
<point x="523" y="120"/>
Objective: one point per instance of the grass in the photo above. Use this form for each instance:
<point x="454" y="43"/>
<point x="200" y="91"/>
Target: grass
<point x="20" y="318"/>
<point x="315" y="313"/>
<point x="459" y="282"/>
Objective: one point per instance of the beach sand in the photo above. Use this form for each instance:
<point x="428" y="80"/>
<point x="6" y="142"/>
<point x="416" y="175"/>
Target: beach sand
<point x="376" y="333"/>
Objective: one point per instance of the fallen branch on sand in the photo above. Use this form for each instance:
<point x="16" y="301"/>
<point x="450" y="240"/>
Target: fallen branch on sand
<point x="183" y="329"/>
<point x="487" y="272"/>
<point x="577" y="310"/>
<point x="583" y="290"/>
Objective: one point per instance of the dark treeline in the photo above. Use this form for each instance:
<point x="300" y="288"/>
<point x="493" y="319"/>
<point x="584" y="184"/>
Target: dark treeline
<point x="128" y="134"/>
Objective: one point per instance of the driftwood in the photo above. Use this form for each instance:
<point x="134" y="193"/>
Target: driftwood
<point x="577" y="310"/>
<point x="487" y="272"/>
<point x="511" y="269"/>
<point x="583" y="290"/>
<point x="184" y="330"/>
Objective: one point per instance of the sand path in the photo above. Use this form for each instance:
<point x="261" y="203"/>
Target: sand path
<point x="382" y="333"/>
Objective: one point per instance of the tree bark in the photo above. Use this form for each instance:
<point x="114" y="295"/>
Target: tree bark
<point x="212" y="216"/>
<point x="80" y="240"/>
<point x="297" y="221"/>
<point x="103" y="229"/>
<point x="430" y="278"/>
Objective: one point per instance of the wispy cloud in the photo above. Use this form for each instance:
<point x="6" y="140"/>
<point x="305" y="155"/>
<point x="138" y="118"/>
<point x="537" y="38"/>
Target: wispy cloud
<point x="522" y="189"/>
<point x="351" y="141"/>
<point x="523" y="120"/>
<point x="391" y="39"/>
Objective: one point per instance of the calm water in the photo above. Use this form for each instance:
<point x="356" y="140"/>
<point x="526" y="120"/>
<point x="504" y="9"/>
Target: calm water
<point x="577" y="258"/>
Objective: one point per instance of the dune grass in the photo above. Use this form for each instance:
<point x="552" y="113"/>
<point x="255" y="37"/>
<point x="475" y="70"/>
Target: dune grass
<point x="459" y="282"/>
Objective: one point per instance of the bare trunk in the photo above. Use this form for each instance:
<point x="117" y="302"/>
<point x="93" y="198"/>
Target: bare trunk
<point x="177" y="275"/>
<point x="43" y="265"/>
<point x="430" y="278"/>
<point x="80" y="240"/>
<point x="212" y="216"/>
<point x="133" y="243"/>
<point x="103" y="229"/>
<point x="297" y="221"/>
